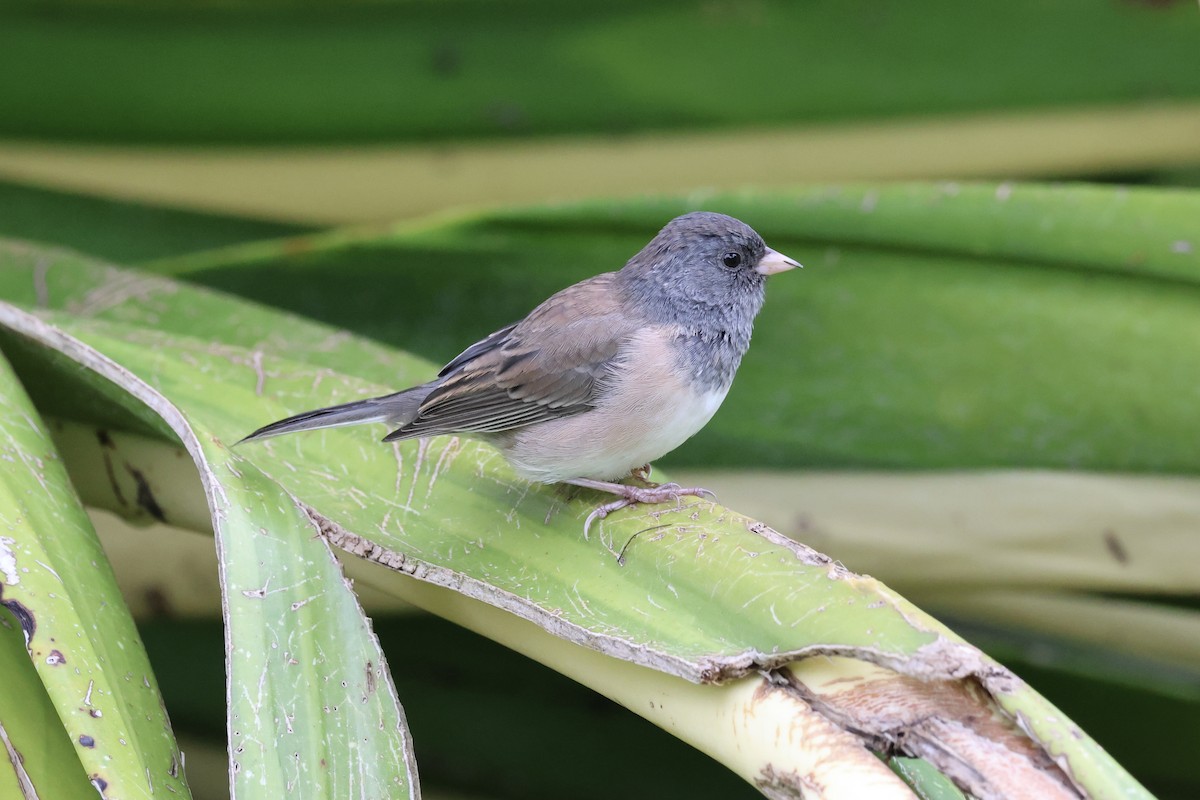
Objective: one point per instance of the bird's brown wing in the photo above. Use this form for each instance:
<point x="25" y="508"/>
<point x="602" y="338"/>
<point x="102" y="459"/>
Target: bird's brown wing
<point x="550" y="364"/>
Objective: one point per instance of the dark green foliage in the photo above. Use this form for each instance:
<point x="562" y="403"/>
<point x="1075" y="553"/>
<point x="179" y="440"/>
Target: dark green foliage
<point x="306" y="72"/>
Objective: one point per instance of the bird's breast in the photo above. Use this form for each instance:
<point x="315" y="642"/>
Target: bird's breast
<point x="709" y="357"/>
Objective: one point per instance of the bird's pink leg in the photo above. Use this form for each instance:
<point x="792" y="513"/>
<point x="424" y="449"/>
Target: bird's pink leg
<point x="632" y="495"/>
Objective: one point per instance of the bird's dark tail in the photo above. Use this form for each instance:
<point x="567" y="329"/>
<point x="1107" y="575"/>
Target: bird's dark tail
<point x="397" y="409"/>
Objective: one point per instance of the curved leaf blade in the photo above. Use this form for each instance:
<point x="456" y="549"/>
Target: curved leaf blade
<point x="37" y="759"/>
<point x="312" y="707"/>
<point x="58" y="584"/>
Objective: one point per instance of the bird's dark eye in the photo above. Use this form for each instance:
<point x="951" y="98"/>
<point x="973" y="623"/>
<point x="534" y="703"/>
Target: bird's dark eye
<point x="731" y="260"/>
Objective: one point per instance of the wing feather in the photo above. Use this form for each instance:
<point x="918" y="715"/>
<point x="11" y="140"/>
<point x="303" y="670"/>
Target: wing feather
<point x="549" y="365"/>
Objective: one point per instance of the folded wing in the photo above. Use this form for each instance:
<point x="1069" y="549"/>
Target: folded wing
<point x="552" y="364"/>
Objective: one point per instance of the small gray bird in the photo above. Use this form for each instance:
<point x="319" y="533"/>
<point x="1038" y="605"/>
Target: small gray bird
<point x="605" y="376"/>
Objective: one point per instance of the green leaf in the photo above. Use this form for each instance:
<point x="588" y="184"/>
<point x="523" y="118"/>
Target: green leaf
<point x="36" y="755"/>
<point x="311" y="702"/>
<point x="310" y="699"/>
<point x="56" y="582"/>
<point x="1118" y="695"/>
<point x="703" y="593"/>
<point x="121" y="230"/>
<point x="297" y="72"/>
<point x="926" y="781"/>
<point x="1032" y="531"/>
<point x="582" y="592"/>
<point x="936" y="326"/>
<point x="416" y="180"/>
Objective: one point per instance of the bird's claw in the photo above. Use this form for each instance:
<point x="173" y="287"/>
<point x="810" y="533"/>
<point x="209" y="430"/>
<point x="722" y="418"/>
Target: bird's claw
<point x="633" y="495"/>
<point x="600" y="512"/>
<point x="678" y="491"/>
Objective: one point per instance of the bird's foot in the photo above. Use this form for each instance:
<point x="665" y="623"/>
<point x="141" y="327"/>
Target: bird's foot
<point x="633" y="495"/>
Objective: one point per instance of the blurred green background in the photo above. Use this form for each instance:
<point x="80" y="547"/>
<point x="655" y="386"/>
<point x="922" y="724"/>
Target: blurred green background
<point x="141" y="133"/>
<point x="352" y="111"/>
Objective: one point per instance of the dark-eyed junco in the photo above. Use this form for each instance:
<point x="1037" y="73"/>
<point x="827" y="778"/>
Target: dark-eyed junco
<point x="605" y="376"/>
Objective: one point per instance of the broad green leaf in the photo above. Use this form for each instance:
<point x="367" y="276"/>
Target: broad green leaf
<point x="311" y="704"/>
<point x="582" y="591"/>
<point x="37" y="758"/>
<point x="414" y="180"/>
<point x="935" y="326"/>
<point x="1029" y="530"/>
<point x="703" y="593"/>
<point x="57" y="584"/>
<point x="298" y="72"/>
<point x="118" y="229"/>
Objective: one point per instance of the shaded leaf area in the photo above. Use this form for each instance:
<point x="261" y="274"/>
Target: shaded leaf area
<point x="59" y="588"/>
<point x="542" y="730"/>
<point x="933" y="327"/>
<point x="704" y="593"/>
<point x="121" y="230"/>
<point x="413" y="70"/>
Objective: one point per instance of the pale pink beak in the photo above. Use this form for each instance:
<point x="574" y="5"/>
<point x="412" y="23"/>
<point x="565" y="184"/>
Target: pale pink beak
<point x="774" y="262"/>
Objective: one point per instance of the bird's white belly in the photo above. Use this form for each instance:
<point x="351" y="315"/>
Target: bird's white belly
<point x="607" y="443"/>
<point x="644" y="415"/>
<point x="671" y="426"/>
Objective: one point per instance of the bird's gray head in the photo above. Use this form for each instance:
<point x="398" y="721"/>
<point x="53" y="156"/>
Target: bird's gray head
<point x="700" y="262"/>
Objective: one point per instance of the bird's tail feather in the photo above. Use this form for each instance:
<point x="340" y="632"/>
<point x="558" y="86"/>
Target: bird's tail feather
<point x="399" y="409"/>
